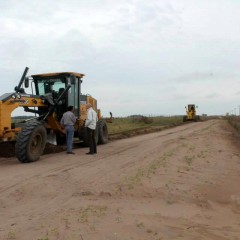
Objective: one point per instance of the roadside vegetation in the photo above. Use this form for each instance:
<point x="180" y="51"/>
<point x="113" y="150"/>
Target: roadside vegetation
<point x="140" y="122"/>
<point x="123" y="124"/>
<point x="120" y="125"/>
<point x="235" y="122"/>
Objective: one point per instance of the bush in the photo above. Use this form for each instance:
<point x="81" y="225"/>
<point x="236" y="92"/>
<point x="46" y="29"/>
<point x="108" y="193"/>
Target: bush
<point x="146" y="120"/>
<point x="142" y="119"/>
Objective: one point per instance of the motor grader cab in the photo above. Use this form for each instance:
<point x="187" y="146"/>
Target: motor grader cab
<point x="51" y="94"/>
<point x="191" y="113"/>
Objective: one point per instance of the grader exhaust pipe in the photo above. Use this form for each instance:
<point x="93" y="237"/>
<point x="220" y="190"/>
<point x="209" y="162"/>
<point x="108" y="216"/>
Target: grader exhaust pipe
<point x="18" y="88"/>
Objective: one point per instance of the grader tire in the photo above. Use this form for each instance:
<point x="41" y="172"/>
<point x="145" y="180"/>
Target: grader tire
<point x="102" y="132"/>
<point x="85" y="137"/>
<point x="60" y="139"/>
<point x="31" y="142"/>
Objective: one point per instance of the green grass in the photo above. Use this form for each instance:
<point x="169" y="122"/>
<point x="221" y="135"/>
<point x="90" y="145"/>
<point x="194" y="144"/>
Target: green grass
<point x="120" y="125"/>
<point x="85" y="213"/>
<point x="148" y="171"/>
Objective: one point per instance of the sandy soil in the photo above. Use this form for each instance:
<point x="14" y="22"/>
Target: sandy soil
<point x="180" y="183"/>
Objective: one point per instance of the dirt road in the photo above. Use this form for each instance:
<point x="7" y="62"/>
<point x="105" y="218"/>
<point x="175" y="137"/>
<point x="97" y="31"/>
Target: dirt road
<point x="180" y="183"/>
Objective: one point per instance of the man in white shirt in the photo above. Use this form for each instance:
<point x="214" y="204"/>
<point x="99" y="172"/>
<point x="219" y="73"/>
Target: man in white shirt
<point x="90" y="124"/>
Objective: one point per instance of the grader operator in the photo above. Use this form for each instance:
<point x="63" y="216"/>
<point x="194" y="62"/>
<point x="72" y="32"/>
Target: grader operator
<point x="54" y="92"/>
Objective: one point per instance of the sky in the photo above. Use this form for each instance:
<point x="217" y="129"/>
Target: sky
<point x="149" y="57"/>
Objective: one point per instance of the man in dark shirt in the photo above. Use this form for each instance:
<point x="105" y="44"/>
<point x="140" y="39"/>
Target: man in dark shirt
<point x="68" y="120"/>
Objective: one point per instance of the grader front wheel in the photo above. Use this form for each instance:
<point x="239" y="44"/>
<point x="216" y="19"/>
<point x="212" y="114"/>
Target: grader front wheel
<point x="31" y="142"/>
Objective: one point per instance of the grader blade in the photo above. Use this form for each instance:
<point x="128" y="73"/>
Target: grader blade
<point x="52" y="138"/>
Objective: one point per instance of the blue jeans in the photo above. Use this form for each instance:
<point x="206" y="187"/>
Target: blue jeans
<point x="69" y="137"/>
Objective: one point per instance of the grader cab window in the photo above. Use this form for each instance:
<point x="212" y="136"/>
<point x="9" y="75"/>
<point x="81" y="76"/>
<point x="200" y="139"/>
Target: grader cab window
<point x="73" y="97"/>
<point x="53" y="86"/>
<point x="191" y="108"/>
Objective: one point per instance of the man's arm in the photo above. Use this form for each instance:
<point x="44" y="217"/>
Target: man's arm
<point x="96" y="117"/>
<point x="73" y="118"/>
<point x="89" y="119"/>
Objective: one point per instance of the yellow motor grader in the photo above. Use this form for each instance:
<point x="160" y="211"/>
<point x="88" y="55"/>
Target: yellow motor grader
<point x="51" y="94"/>
<point x="191" y="113"/>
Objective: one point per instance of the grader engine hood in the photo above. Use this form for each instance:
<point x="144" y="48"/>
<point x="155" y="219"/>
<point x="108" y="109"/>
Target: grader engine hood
<point x="8" y="103"/>
<point x="21" y="99"/>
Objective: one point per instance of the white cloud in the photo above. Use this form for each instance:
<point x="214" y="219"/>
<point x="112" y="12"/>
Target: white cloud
<point x="138" y="56"/>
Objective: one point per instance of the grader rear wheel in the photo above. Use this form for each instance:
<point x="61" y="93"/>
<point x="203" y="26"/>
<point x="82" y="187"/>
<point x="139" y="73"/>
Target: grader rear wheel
<point x="102" y="132"/>
<point x="31" y="142"/>
<point x="84" y="136"/>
